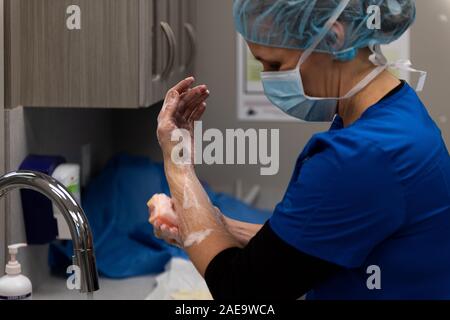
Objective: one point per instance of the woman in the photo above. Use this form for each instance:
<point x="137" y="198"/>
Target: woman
<point x="367" y="212"/>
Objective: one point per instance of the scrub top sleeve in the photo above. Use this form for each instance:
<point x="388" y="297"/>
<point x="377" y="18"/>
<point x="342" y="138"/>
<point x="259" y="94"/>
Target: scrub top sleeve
<point x="267" y="268"/>
<point x="342" y="204"/>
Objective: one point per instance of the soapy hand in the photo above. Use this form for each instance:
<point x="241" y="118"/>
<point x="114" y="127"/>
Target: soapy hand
<point x="182" y="107"/>
<point x="164" y="219"/>
<point x="166" y="225"/>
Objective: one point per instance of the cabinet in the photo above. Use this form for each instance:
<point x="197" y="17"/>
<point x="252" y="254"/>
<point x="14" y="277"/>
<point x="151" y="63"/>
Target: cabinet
<point x="174" y="43"/>
<point x="97" y="53"/>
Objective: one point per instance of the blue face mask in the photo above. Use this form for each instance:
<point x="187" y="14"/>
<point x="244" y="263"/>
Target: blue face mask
<point x="285" y="90"/>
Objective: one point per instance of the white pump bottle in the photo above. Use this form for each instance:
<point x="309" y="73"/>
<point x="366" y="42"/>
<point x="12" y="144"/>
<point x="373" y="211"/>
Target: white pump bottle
<point x="14" y="285"/>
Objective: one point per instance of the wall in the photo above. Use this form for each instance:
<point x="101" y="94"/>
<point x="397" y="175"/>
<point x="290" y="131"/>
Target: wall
<point x="65" y="131"/>
<point x="134" y="132"/>
<point x="430" y="49"/>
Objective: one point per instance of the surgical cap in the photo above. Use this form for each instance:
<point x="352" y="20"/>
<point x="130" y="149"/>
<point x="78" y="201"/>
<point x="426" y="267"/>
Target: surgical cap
<point x="294" y="24"/>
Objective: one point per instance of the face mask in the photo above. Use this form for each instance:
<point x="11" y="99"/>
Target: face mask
<point x="285" y="88"/>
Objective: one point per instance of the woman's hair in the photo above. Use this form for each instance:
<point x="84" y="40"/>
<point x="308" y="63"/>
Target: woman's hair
<point x="294" y="24"/>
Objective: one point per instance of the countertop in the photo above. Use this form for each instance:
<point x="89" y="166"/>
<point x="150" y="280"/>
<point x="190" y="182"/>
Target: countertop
<point x="54" y="288"/>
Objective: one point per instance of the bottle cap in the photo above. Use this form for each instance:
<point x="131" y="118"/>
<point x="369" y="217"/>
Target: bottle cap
<point x="13" y="266"/>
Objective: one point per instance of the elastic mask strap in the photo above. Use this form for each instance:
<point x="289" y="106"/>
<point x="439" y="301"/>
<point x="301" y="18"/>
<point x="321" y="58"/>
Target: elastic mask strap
<point x="368" y="79"/>
<point x="337" y="13"/>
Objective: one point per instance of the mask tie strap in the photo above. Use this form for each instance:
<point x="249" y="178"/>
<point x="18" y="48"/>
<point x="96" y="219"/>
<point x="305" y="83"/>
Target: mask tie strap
<point x="379" y="59"/>
<point x="406" y="65"/>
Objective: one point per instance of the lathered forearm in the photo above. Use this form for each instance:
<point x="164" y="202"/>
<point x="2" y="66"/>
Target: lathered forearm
<point x="242" y="231"/>
<point x="201" y="228"/>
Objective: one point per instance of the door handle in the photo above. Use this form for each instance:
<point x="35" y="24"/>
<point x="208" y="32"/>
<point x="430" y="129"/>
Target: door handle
<point x="172" y="44"/>
<point x="190" y="31"/>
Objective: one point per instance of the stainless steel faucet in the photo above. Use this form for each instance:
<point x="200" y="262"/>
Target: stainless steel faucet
<point x="80" y="231"/>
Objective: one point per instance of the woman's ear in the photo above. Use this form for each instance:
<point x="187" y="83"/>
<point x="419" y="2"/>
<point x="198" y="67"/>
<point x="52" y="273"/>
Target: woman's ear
<point x="338" y="30"/>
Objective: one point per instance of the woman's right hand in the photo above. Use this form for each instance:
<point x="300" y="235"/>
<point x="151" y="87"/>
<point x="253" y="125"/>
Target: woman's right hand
<point x="164" y="219"/>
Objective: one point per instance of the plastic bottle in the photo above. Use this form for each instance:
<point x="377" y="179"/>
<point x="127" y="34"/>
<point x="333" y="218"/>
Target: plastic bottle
<point x="14" y="285"/>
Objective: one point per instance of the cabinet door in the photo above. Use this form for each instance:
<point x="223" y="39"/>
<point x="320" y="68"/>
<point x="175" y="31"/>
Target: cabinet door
<point x="147" y="96"/>
<point x="164" y="47"/>
<point x="182" y="20"/>
<point x="188" y="40"/>
<point x="174" y="41"/>
<point x="74" y="53"/>
<point x="175" y="19"/>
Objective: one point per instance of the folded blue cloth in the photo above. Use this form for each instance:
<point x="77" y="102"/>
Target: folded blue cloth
<point x="115" y="203"/>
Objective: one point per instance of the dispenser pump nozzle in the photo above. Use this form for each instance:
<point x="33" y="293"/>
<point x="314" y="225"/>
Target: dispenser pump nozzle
<point x="13" y="266"/>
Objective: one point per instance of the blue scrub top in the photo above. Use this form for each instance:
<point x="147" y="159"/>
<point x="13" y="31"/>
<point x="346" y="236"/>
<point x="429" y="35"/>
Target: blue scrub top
<point x="376" y="193"/>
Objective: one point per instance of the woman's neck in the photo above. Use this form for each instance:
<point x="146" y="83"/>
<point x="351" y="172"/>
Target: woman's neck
<point x="352" y="109"/>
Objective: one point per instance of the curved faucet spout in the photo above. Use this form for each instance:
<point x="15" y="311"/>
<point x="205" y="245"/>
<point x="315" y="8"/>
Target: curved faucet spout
<point x="80" y="230"/>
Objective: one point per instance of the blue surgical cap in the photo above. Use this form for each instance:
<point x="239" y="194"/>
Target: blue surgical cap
<point x="294" y="24"/>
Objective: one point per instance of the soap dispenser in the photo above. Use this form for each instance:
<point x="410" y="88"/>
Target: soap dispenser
<point x="14" y="285"/>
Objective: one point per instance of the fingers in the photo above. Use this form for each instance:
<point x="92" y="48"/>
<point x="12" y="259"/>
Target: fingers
<point x="198" y="112"/>
<point x="150" y="203"/>
<point x="164" y="232"/>
<point x="190" y="100"/>
<point x="152" y="208"/>
<point x="161" y="229"/>
<point x="173" y="97"/>
<point x="195" y="103"/>
<point x="157" y="224"/>
<point x="184" y="85"/>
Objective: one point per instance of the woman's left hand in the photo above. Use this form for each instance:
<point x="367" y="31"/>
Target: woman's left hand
<point x="182" y="107"/>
